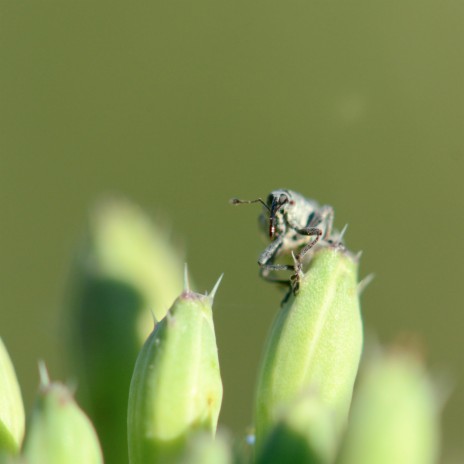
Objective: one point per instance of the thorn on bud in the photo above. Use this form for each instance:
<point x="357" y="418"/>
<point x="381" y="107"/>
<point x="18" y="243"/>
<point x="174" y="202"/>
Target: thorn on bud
<point x="186" y="279"/>
<point x="43" y="374"/>
<point x="216" y="286"/>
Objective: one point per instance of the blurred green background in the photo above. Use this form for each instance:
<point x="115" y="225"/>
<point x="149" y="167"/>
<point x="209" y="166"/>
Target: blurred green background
<point x="181" y="105"/>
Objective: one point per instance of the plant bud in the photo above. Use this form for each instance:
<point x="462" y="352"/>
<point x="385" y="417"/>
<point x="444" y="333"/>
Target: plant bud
<point x="127" y="269"/>
<point x="11" y="406"/>
<point x="176" y="386"/>
<point x="394" y="417"/>
<point x="315" y="343"/>
<point x="59" y="432"/>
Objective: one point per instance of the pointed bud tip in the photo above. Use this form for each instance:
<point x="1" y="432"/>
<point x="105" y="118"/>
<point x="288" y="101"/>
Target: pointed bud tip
<point x="188" y="294"/>
<point x="365" y="283"/>
<point x="216" y="286"/>
<point x="343" y="232"/>
<point x="186" y="279"/>
<point x="44" y="378"/>
<point x="155" y="320"/>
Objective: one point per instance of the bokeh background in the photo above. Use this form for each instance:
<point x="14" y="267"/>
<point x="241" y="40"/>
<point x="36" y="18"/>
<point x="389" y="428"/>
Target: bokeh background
<point x="181" y="105"/>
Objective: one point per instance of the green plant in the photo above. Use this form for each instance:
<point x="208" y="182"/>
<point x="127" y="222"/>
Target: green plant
<point x="168" y="404"/>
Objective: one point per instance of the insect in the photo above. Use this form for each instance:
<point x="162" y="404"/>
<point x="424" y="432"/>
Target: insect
<point x="293" y="224"/>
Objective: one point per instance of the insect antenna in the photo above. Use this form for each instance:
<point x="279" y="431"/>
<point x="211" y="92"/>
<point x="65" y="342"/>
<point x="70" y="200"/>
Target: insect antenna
<point x="236" y="201"/>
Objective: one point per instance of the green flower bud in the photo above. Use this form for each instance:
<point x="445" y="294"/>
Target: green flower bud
<point x="124" y="246"/>
<point x="394" y="416"/>
<point x="126" y="270"/>
<point x="315" y="343"/>
<point x="303" y="435"/>
<point x="11" y="406"/>
<point x="176" y="386"/>
<point x="59" y="432"/>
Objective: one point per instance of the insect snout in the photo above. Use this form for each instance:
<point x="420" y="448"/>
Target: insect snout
<point x="276" y="202"/>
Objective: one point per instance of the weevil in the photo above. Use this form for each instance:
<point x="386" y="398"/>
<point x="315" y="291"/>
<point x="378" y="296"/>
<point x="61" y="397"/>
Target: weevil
<point x="293" y="224"/>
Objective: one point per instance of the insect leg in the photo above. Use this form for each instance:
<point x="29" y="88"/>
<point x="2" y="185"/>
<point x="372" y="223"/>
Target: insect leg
<point x="266" y="264"/>
<point x="325" y="217"/>
<point x="312" y="232"/>
<point x="269" y="254"/>
<point x="264" y="273"/>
